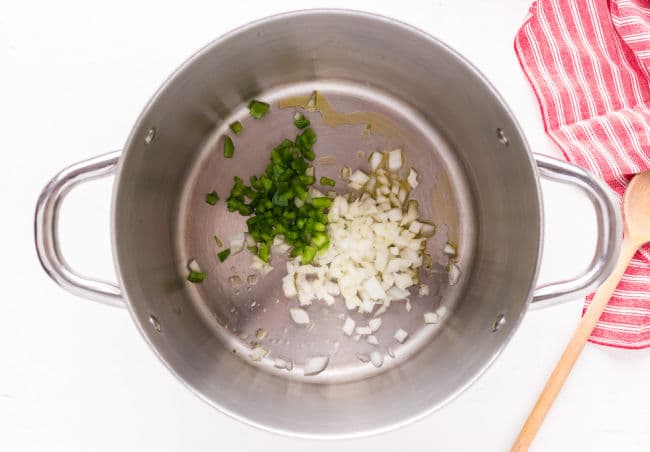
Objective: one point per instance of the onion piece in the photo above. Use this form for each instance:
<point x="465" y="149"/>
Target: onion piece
<point x="372" y="340"/>
<point x="359" y="177"/>
<point x="412" y="178"/>
<point x="449" y="250"/>
<point x="316" y="364"/>
<point x="348" y="326"/>
<point x="363" y="330"/>
<point x="395" y="293"/>
<point x="400" y="335"/>
<point x="375" y="160"/>
<point x="454" y="274"/>
<point x="395" y="214"/>
<point x="407" y="306"/>
<point x="282" y="363"/>
<point x="299" y="316"/>
<point x="237" y="242"/>
<point x="415" y="227"/>
<point x="427" y="230"/>
<point x="423" y="291"/>
<point x="374" y="289"/>
<point x="431" y="317"/>
<point x="441" y="311"/>
<point x="258" y="353"/>
<point x="395" y="160"/>
<point x="193" y="266"/>
<point x="289" y="285"/>
<point x="250" y="241"/>
<point x="374" y="324"/>
<point x="345" y="172"/>
<point x="376" y="358"/>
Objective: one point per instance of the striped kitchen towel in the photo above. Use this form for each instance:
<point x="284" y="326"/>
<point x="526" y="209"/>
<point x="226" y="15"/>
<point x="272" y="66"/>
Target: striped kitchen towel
<point x="588" y="62"/>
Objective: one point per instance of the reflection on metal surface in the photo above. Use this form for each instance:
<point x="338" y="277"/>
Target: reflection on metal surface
<point x="374" y="122"/>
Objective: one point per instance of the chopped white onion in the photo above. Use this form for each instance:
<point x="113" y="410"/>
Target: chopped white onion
<point x="193" y="265"/>
<point x="359" y="177"/>
<point x="345" y="172"/>
<point x="316" y="364"/>
<point x="299" y="316"/>
<point x="366" y="306"/>
<point x="259" y="265"/>
<point x="376" y="358"/>
<point x="395" y="214"/>
<point x="363" y="330"/>
<point x="395" y="160"/>
<point x="415" y="227"/>
<point x="395" y="293"/>
<point x="400" y="335"/>
<point x="454" y="274"/>
<point x="423" y="291"/>
<point x="375" y="160"/>
<point x="372" y="340"/>
<point x="258" y="353"/>
<point x="377" y="242"/>
<point x="309" y="171"/>
<point x="407" y="306"/>
<point x="282" y="363"/>
<point x="348" y="326"/>
<point x="449" y="250"/>
<point x="374" y="324"/>
<point x="441" y="311"/>
<point x="427" y="230"/>
<point x="412" y="178"/>
<point x="430" y="317"/>
<point x="237" y="242"/>
<point x="260" y="333"/>
<point x="374" y="289"/>
<point x="289" y="285"/>
<point x="250" y="241"/>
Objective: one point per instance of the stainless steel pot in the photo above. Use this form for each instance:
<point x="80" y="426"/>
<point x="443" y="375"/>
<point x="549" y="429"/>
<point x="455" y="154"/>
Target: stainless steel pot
<point x="480" y="184"/>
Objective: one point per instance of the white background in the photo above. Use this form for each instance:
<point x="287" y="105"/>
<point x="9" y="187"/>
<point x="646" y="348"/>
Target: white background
<point x="76" y="376"/>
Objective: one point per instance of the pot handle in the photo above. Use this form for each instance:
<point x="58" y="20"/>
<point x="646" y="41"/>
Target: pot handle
<point x="46" y="222"/>
<point x="610" y="232"/>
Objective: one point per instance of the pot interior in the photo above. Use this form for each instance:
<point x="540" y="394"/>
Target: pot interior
<point x="477" y="184"/>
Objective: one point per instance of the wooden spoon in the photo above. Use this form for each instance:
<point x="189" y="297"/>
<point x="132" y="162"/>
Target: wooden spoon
<point x="636" y="213"/>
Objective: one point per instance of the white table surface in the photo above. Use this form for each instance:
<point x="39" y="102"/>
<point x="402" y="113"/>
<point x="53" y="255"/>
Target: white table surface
<point x="76" y="376"/>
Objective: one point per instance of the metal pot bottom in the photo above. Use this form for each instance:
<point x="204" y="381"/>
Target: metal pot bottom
<point x="256" y="311"/>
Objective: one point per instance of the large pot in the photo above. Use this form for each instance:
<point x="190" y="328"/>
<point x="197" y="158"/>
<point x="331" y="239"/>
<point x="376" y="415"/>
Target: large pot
<point x="480" y="184"/>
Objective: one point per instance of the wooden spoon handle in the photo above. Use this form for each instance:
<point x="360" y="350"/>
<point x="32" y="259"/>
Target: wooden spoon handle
<point x="573" y="349"/>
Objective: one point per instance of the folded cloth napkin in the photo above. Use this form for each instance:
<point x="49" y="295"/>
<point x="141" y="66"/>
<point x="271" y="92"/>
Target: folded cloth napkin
<point x="588" y="62"/>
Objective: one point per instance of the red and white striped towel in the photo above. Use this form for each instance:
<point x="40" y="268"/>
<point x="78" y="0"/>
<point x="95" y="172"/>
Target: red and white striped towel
<point x="588" y="62"/>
